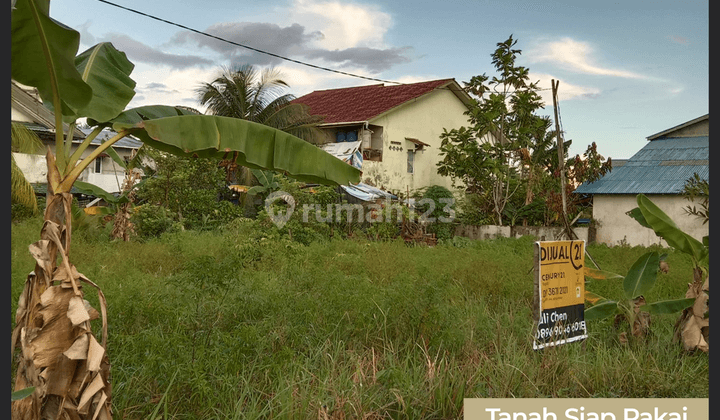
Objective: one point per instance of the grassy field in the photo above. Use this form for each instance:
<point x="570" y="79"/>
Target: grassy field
<point x="228" y="325"/>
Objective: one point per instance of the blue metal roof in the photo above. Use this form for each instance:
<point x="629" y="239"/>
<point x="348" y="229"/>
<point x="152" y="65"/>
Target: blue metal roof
<point x="661" y="167"/>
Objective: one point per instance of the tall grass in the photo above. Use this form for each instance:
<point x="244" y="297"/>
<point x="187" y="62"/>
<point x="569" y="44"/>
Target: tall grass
<point x="231" y="325"/>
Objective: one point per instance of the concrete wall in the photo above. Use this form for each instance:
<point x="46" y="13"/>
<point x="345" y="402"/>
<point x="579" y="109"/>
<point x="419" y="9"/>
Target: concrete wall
<point x="424" y="120"/>
<point x="614" y="227"/>
<point x="543" y="233"/>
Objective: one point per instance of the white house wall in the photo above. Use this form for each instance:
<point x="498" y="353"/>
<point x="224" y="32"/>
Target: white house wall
<point x="34" y="167"/>
<point x="616" y="228"/>
<point x="422" y="119"/>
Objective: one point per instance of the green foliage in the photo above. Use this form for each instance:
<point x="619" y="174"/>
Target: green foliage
<point x="23" y="393"/>
<point x="698" y="188"/>
<point x="22" y="193"/>
<point x="246" y="93"/>
<point x="642" y="276"/>
<point x="191" y="189"/>
<point x="505" y="112"/>
<point x="310" y="220"/>
<point x="151" y="221"/>
<point x="19" y="212"/>
<point x="382" y="231"/>
<point x="437" y="206"/>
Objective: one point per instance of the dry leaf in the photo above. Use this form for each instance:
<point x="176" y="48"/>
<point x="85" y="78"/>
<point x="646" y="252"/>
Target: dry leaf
<point x="79" y="349"/>
<point x="77" y="312"/>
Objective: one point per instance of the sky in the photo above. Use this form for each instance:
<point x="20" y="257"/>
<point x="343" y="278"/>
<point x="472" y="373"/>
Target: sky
<point x="626" y="69"/>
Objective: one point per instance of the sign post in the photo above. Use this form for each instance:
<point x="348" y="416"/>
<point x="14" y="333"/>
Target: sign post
<point x="559" y="293"/>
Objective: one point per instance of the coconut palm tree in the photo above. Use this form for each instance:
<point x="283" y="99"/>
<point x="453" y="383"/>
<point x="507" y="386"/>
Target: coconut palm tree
<point x="247" y="93"/>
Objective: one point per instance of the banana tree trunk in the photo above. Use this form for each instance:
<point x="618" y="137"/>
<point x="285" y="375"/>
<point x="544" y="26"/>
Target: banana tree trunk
<point x="59" y="355"/>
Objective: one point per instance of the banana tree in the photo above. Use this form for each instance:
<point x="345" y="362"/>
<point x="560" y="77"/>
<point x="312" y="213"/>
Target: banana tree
<point x="60" y="356"/>
<point x="632" y="306"/>
<point x="693" y="326"/>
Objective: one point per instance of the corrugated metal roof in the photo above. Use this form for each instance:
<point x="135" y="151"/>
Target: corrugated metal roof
<point x="126" y="142"/>
<point x="661" y="167"/>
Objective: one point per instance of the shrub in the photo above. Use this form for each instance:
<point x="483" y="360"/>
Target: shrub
<point x="438" y="204"/>
<point x="152" y="221"/>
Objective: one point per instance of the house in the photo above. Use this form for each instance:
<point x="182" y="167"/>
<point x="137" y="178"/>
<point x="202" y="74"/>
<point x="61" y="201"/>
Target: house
<point x="392" y="133"/>
<point x="27" y="109"/>
<point x="659" y="170"/>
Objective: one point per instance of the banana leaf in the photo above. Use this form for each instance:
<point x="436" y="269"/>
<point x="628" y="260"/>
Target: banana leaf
<point x="94" y="190"/>
<point x="668" y="306"/>
<point x="600" y="274"/>
<point x="642" y="275"/>
<point x="37" y="40"/>
<point x="180" y="132"/>
<point x="107" y="71"/>
<point x="664" y="227"/>
<point x="602" y="310"/>
<point x="593" y="298"/>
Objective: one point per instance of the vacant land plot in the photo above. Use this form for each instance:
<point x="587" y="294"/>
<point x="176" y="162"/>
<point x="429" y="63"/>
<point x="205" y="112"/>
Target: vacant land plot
<point x="231" y="325"/>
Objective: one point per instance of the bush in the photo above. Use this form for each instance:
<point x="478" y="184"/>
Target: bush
<point x="437" y="204"/>
<point x="151" y="221"/>
<point x="20" y="212"/>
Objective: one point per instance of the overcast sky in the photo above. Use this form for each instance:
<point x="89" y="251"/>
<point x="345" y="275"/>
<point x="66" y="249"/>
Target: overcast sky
<point x="627" y="69"/>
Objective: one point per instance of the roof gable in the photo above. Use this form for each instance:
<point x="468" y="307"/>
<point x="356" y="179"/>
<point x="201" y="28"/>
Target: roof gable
<point x="696" y="127"/>
<point x="661" y="167"/>
<point x="363" y="103"/>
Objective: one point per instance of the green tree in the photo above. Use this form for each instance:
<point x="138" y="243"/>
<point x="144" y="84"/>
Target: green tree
<point x="505" y="113"/>
<point x="247" y="93"/>
<point x="60" y="356"/>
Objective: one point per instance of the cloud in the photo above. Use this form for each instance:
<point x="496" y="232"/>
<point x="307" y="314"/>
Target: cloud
<point x="343" y="25"/>
<point x="578" y="57"/>
<point x="86" y="38"/>
<point x="373" y="60"/>
<point x="267" y="37"/>
<point x="679" y="40"/>
<point x="566" y="90"/>
<point x="293" y="41"/>
<point x="138" y="52"/>
<point x="162" y="85"/>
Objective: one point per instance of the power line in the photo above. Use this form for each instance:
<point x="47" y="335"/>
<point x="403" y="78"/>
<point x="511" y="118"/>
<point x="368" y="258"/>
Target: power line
<point x="261" y="51"/>
<point x="245" y="46"/>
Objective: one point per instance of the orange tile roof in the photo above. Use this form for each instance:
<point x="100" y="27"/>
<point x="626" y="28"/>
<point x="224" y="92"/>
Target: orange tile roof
<point x="362" y="103"/>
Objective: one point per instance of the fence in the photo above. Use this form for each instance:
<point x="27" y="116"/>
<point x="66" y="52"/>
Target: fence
<point x="543" y="233"/>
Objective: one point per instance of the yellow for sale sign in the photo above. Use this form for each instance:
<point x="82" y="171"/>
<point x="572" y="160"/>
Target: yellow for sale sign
<point x="559" y="292"/>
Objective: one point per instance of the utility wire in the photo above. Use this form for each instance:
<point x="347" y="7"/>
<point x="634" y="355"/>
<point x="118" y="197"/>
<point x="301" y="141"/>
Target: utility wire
<point x="245" y="46"/>
<point x="259" y="50"/>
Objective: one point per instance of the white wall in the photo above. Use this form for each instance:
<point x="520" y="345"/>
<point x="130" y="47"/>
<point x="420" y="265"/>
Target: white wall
<point x="615" y="227"/>
<point x="34" y="167"/>
<point x="424" y="120"/>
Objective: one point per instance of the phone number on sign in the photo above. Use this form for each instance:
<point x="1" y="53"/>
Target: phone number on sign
<point x="553" y="291"/>
<point x="560" y="330"/>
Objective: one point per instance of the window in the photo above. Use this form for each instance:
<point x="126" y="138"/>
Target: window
<point x="410" y="160"/>
<point x="98" y="165"/>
